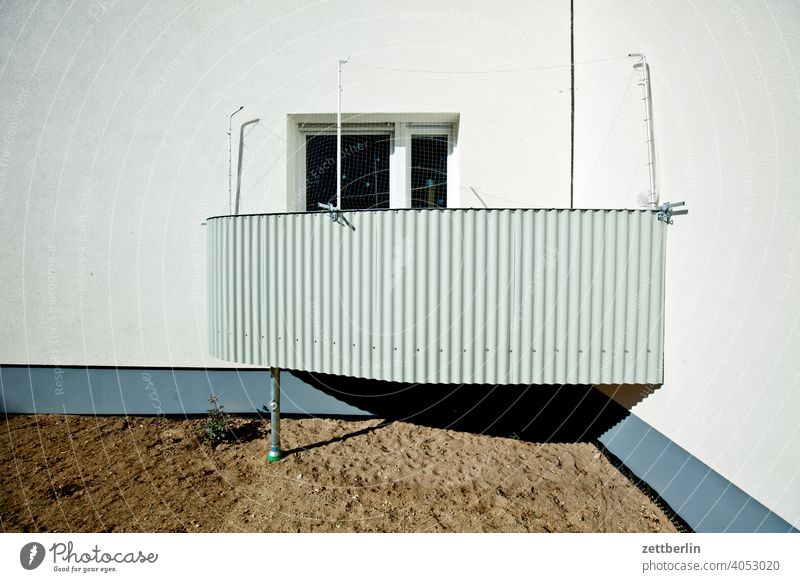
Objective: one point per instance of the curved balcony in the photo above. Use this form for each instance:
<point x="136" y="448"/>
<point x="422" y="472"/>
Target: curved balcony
<point x="518" y="296"/>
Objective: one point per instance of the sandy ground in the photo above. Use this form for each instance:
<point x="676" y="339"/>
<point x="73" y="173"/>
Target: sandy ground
<point x="157" y="474"/>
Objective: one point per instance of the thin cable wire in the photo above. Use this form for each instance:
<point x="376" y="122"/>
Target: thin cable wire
<point x="259" y="124"/>
<point x="610" y="129"/>
<point x="486" y="71"/>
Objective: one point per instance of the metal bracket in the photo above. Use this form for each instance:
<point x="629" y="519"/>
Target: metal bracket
<point x="333" y="214"/>
<point x="666" y="211"/>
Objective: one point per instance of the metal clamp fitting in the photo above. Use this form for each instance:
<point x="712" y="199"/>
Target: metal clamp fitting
<point x="333" y="214"/>
<point x="665" y="211"/>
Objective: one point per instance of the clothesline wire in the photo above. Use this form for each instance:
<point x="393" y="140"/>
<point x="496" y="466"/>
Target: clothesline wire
<point x="486" y="71"/>
<point x="611" y="128"/>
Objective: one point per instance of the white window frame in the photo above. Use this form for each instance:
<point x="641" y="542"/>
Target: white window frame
<point x="413" y="130"/>
<point x="401" y="128"/>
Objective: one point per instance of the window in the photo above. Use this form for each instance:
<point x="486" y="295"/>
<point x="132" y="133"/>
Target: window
<point x="402" y="160"/>
<point x="429" y="171"/>
<point x="365" y="171"/>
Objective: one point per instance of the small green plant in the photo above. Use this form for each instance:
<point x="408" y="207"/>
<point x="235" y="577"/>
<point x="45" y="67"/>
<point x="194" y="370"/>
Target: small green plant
<point x="217" y="425"/>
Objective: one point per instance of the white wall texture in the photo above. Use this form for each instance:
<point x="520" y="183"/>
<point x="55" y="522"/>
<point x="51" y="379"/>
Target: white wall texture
<point x="726" y="93"/>
<point x="113" y="151"/>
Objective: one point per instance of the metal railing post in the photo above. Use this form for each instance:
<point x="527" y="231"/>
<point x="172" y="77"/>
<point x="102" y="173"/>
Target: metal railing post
<point x="230" y="172"/>
<point x="647" y="97"/>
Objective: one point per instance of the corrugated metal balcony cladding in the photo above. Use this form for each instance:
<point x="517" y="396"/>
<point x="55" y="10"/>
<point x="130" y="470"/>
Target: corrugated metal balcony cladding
<point x="521" y="296"/>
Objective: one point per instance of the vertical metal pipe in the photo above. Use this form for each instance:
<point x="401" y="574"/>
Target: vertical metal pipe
<point x="647" y="97"/>
<point x="230" y="168"/>
<point x="239" y="164"/>
<point x="339" y="135"/>
<point x="275" y="416"/>
<point x="651" y="146"/>
<point x="571" y="104"/>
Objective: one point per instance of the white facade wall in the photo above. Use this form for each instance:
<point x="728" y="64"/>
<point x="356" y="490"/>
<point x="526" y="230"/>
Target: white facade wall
<point x="113" y="151"/>
<point x="726" y="93"/>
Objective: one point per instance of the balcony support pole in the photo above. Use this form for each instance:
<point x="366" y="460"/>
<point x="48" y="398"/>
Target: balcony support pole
<point x="275" y="416"/>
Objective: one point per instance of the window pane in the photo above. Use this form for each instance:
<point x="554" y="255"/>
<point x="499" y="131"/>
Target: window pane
<point x="429" y="171"/>
<point x="365" y="171"/>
